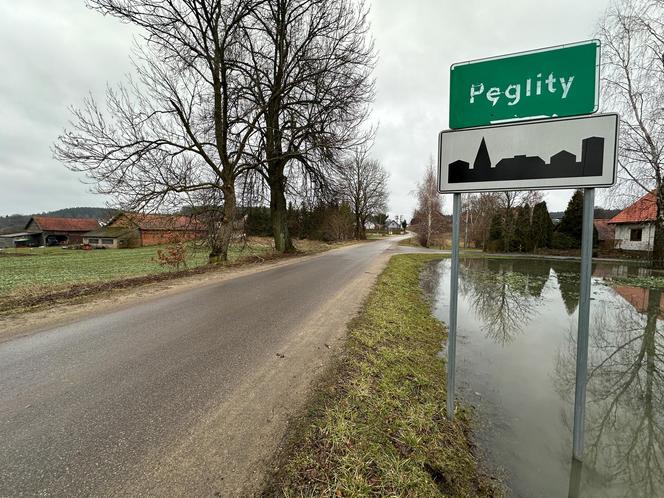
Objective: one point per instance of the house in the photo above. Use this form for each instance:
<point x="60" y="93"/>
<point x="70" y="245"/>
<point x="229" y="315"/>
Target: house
<point x="391" y="226"/>
<point x="113" y="238"/>
<point x="606" y="233"/>
<point x="140" y="229"/>
<point x="556" y="217"/>
<point x="52" y="231"/>
<point x="635" y="225"/>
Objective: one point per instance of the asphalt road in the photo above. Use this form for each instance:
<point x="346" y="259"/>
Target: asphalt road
<point x="185" y="395"/>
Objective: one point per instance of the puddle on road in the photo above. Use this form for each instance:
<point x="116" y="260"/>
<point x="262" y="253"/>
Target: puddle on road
<point x="516" y="364"/>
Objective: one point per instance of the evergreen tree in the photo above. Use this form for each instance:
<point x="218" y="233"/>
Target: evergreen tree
<point x="541" y="229"/>
<point x="496" y="228"/>
<point x="572" y="220"/>
<point x="258" y="221"/>
<point x="509" y="227"/>
<point x="521" y="241"/>
<point x="568" y="231"/>
<point x="495" y="242"/>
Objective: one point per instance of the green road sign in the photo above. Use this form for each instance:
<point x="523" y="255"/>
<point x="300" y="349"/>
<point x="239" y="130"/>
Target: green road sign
<point x="558" y="81"/>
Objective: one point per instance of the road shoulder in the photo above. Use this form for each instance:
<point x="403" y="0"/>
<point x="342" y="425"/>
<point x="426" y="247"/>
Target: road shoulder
<point x="376" y="425"/>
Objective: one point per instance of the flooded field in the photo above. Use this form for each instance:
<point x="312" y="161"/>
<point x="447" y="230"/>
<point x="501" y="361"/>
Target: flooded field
<point x="516" y="364"/>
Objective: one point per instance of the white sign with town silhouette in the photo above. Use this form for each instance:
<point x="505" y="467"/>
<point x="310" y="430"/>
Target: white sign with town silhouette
<point x="554" y="153"/>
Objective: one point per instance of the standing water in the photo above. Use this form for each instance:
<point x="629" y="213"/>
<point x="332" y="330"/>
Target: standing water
<point x="516" y="358"/>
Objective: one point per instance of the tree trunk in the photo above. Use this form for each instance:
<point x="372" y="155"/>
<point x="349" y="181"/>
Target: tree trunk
<point x="649" y="349"/>
<point x="224" y="231"/>
<point x="359" y="227"/>
<point x="658" y="243"/>
<point x="279" y="211"/>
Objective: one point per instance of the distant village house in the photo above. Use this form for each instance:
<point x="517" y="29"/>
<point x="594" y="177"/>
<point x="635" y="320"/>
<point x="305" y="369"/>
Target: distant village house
<point x="635" y="225"/>
<point x="391" y="226"/>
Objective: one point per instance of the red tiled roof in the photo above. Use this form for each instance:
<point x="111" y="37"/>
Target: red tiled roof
<point x="645" y="209"/>
<point x="52" y="224"/>
<point x="604" y="230"/>
<point x="156" y="221"/>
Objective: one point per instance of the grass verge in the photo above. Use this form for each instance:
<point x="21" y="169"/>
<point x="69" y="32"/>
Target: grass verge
<point x="33" y="278"/>
<point x="377" y="426"/>
<point x="410" y="242"/>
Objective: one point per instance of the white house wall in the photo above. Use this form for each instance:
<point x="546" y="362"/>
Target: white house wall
<point x="623" y="233"/>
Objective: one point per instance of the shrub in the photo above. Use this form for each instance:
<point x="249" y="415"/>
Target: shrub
<point x="172" y="256"/>
<point x="561" y="240"/>
<point x="494" y="246"/>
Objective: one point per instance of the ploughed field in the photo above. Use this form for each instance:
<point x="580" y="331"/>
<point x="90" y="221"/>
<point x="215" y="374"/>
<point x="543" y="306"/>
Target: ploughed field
<point x="31" y="271"/>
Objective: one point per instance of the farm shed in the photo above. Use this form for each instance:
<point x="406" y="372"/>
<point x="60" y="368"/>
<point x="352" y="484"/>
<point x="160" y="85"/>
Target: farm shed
<point x="155" y="229"/>
<point x="113" y="237"/>
<point x="52" y="231"/>
<point x="11" y="240"/>
<point x="635" y="225"/>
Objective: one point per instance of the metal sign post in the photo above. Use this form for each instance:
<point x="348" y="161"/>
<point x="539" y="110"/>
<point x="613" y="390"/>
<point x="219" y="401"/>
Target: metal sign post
<point x="584" y="322"/>
<point x="454" y="299"/>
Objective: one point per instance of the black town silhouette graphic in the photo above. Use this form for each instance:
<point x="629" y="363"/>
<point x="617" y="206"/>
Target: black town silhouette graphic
<point x="562" y="165"/>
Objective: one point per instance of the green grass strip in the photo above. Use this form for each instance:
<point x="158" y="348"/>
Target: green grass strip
<point x="378" y="425"/>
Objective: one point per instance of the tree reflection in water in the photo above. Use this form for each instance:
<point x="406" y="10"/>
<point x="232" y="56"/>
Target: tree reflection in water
<point x="569" y="285"/>
<point x="625" y="392"/>
<point x="503" y="299"/>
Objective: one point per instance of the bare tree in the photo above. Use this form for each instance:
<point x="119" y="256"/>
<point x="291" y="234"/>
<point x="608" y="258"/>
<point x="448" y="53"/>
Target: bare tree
<point x="479" y="209"/>
<point x="363" y="183"/>
<point x="632" y="35"/>
<point x="184" y="124"/>
<point x="428" y="217"/>
<point x="311" y="62"/>
<point x="508" y="202"/>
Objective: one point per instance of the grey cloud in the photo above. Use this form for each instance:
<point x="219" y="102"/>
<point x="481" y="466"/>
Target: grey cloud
<point x="52" y="53"/>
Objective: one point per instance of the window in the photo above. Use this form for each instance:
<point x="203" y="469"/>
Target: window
<point x="93" y="241"/>
<point x="107" y="242"/>
<point x="636" y="234"/>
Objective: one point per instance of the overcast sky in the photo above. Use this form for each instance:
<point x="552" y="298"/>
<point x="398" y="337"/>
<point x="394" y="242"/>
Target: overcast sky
<point x="52" y="53"/>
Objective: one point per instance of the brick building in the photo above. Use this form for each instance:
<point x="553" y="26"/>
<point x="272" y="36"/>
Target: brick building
<point x="139" y="229"/>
